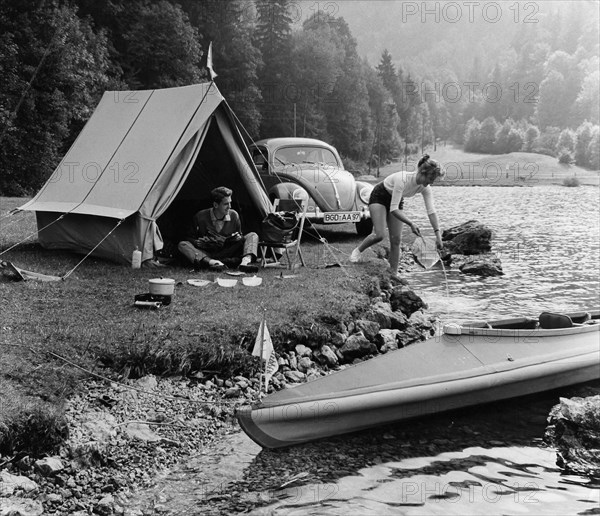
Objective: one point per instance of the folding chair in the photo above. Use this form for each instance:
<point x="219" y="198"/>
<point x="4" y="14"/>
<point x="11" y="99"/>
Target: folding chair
<point x="290" y="249"/>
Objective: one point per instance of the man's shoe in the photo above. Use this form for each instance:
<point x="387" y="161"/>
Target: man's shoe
<point x="248" y="268"/>
<point x="356" y="256"/>
<point x="217" y="266"/>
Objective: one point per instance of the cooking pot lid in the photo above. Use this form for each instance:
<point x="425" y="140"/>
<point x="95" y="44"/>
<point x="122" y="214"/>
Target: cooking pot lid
<point x="162" y="281"/>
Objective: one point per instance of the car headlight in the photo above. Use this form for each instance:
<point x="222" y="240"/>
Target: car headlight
<point x="300" y="194"/>
<point x="364" y="193"/>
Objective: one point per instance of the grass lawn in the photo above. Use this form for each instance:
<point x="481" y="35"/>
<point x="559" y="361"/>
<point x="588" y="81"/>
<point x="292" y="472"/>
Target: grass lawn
<point x="89" y="319"/>
<point x="514" y="169"/>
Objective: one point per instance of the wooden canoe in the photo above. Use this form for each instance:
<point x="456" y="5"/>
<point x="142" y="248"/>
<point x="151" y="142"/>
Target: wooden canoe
<point x="466" y="365"/>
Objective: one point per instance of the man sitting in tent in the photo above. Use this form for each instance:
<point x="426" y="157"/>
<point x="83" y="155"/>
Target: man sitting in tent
<point x="215" y="240"/>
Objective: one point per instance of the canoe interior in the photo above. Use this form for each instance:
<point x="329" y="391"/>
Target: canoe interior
<point x="546" y="321"/>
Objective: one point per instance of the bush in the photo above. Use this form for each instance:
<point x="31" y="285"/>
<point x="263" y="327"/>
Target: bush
<point x="471" y="138"/>
<point x="508" y="138"/>
<point x="548" y="141"/>
<point x="594" y="150"/>
<point x="531" y="135"/>
<point x="487" y="135"/>
<point x="565" y="157"/>
<point x="566" y="141"/>
<point x="571" y="181"/>
<point x="28" y="424"/>
<point x="357" y="168"/>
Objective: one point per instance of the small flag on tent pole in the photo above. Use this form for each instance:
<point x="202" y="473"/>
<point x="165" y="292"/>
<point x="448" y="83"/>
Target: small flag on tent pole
<point x="209" y="62"/>
<point x="263" y="347"/>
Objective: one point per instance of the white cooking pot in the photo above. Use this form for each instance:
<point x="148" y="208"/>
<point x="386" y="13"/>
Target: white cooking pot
<point x="162" y="286"/>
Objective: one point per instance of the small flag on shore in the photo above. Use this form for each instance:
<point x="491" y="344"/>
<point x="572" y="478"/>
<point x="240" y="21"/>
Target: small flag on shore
<point x="263" y="347"/>
<point x="209" y="62"/>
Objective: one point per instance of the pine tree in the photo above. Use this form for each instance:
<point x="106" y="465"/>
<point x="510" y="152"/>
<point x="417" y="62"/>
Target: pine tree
<point x="229" y="26"/>
<point x="551" y="111"/>
<point x="347" y="107"/>
<point x="273" y="38"/>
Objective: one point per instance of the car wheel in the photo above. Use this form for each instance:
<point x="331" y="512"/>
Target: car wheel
<point x="364" y="227"/>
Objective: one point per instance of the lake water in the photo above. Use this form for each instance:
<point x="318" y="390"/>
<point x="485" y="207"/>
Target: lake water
<point x="547" y="239"/>
<point x="487" y="460"/>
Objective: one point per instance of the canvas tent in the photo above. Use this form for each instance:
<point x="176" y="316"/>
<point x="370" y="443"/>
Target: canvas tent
<point x="147" y="159"/>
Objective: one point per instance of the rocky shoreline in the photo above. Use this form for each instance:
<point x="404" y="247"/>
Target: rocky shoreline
<point x="123" y="434"/>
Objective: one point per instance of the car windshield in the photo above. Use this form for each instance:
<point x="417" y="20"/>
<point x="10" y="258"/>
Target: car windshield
<point x="296" y="155"/>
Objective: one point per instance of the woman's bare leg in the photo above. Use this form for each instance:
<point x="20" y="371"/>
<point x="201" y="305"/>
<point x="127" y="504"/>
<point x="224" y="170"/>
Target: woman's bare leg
<point x="378" y="216"/>
<point x="395" y="233"/>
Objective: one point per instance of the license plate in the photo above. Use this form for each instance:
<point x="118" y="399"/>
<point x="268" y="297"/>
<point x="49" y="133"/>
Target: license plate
<point x="341" y="216"/>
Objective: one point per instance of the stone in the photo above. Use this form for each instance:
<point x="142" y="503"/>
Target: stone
<point x="381" y="312"/>
<point x="410" y="334"/>
<point x="13" y="506"/>
<point x="574" y="430"/>
<point x="294" y="376"/>
<point x="328" y="356"/>
<point x="337" y="338"/>
<point x="304" y="364"/>
<point x="49" y="465"/>
<point x="303" y="351"/>
<point x="388" y="340"/>
<point x="293" y="361"/>
<point x="471" y="237"/>
<point x="368" y="328"/>
<point x="405" y="300"/>
<point x="11" y="483"/>
<point x="373" y="287"/>
<point x="54" y="498"/>
<point x="141" y="432"/>
<point x="105" y="506"/>
<point x="147" y="383"/>
<point x="242" y="384"/>
<point x="421" y="321"/>
<point x="100" y="426"/>
<point x="155" y="417"/>
<point x="233" y="392"/>
<point x="484" y="266"/>
<point x="357" y="346"/>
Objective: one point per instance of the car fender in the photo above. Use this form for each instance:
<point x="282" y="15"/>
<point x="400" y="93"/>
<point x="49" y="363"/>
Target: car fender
<point x="360" y="204"/>
<point x="283" y="190"/>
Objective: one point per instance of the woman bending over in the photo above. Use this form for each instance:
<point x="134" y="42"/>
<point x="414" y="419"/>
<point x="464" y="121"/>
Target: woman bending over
<point x="386" y="207"/>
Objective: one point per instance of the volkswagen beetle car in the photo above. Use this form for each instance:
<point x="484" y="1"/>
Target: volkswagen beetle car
<point x="305" y="169"/>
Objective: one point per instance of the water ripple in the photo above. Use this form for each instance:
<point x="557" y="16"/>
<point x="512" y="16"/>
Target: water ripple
<point x="548" y="240"/>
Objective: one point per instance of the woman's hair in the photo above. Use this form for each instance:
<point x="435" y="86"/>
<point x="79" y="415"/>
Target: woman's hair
<point x="219" y="193"/>
<point x="430" y="167"/>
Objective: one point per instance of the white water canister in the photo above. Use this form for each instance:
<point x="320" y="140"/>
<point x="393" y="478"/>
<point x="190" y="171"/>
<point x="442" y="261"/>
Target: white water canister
<point x="161" y="286"/>
<point x="136" y="259"/>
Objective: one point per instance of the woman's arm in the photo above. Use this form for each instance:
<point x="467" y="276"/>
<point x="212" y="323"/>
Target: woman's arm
<point x="433" y="219"/>
<point x="431" y="213"/>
